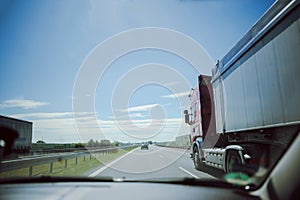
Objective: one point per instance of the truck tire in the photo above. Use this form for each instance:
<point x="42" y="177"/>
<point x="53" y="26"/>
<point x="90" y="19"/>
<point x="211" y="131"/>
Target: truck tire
<point x="197" y="161"/>
<point x="233" y="160"/>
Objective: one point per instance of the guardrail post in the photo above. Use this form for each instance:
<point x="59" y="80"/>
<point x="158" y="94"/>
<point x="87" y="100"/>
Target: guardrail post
<point x="66" y="163"/>
<point x="51" y="167"/>
<point x="90" y="156"/>
<point x="30" y="171"/>
<point x="76" y="161"/>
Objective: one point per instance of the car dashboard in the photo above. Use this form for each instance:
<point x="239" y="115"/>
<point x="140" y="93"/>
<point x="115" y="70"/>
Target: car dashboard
<point x="116" y="190"/>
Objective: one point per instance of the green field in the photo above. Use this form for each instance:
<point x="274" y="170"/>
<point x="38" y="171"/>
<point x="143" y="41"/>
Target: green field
<point x="82" y="168"/>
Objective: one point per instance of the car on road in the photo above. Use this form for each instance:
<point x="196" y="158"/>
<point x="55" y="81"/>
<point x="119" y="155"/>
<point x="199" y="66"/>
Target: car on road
<point x="145" y="146"/>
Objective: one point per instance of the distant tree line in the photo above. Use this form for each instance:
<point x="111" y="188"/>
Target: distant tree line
<point x="40" y="144"/>
<point x="96" y="143"/>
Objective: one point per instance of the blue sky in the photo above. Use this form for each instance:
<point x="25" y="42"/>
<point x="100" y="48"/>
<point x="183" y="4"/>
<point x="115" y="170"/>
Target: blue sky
<point x="44" y="45"/>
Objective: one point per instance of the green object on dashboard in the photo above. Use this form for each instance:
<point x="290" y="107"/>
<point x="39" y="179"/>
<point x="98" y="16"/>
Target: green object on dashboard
<point x="238" y="178"/>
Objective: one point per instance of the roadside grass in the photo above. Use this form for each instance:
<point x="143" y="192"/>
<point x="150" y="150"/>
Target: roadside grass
<point x="84" y="164"/>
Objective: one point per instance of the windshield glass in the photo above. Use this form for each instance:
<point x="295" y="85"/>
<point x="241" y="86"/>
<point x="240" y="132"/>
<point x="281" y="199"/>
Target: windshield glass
<point x="103" y="88"/>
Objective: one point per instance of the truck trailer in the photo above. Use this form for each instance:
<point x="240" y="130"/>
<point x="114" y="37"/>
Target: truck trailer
<point x="24" y="129"/>
<point x="245" y="114"/>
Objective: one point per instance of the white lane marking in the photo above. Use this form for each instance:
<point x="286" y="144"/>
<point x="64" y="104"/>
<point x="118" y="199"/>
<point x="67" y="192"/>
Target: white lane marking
<point x="161" y="156"/>
<point x="186" y="171"/>
<point x="108" y="165"/>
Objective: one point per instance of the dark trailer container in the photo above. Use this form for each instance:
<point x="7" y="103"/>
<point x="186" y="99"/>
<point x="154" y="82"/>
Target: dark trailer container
<point x="24" y="129"/>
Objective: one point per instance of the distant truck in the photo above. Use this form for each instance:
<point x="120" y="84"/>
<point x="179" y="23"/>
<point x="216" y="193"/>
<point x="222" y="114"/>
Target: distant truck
<point x="24" y="128"/>
<point x="245" y="114"/>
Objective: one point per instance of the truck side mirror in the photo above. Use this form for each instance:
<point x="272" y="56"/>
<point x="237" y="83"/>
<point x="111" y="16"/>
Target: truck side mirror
<point x="186" y="117"/>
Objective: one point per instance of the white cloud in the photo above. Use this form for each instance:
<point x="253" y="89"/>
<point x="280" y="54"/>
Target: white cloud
<point x="44" y="115"/>
<point x="22" y="103"/>
<point x="136" y="115"/>
<point x="140" y="108"/>
<point x="132" y="115"/>
<point x="50" y="115"/>
<point x="177" y="95"/>
<point x="159" y="130"/>
<point x="61" y="127"/>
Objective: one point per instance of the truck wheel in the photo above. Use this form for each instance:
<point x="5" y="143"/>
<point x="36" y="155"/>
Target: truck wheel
<point x="197" y="161"/>
<point x="233" y="161"/>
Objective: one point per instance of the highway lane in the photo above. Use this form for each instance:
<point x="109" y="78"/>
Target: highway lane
<point x="157" y="162"/>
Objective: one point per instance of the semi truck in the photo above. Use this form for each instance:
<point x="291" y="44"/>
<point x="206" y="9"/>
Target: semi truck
<point x="244" y="115"/>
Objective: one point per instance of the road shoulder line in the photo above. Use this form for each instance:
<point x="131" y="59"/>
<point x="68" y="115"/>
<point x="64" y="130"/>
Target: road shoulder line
<point x="95" y="173"/>
<point x="186" y="171"/>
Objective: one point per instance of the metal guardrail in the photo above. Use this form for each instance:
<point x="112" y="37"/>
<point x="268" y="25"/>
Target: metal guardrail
<point x="175" y="146"/>
<point x="29" y="162"/>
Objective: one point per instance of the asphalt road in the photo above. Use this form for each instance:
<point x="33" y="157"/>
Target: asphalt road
<point x="157" y="162"/>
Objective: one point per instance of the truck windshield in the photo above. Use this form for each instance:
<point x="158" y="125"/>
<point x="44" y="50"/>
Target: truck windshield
<point x="148" y="89"/>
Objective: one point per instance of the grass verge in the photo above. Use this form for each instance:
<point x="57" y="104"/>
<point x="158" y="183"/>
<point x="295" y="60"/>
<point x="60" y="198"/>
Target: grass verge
<point x="82" y="166"/>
